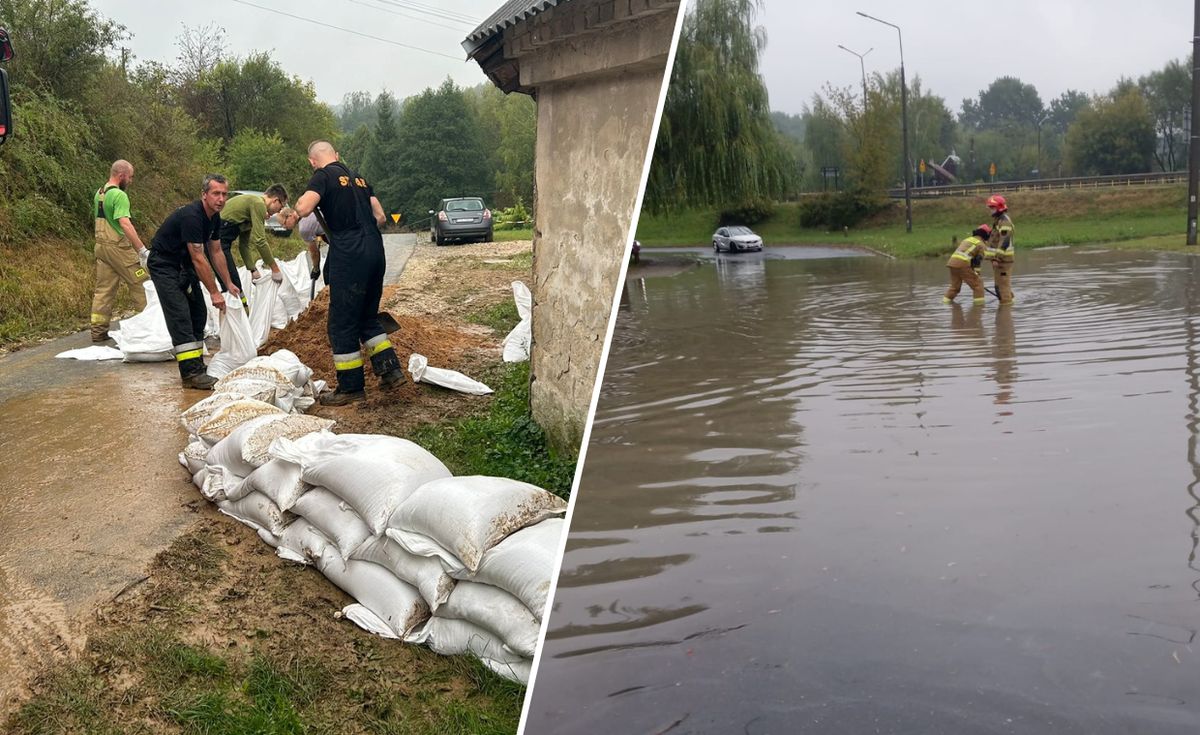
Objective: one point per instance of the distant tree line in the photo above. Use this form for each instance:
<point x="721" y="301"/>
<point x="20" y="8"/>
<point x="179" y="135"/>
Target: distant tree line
<point x="443" y="142"/>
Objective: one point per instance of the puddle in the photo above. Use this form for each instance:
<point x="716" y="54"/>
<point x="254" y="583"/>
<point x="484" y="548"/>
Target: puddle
<point x="817" y="500"/>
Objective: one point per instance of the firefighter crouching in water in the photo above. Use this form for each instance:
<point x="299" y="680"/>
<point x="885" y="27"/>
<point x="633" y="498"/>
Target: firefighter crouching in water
<point x="1000" y="248"/>
<point x="354" y="270"/>
<point x="120" y="254"/>
<point x="961" y="268"/>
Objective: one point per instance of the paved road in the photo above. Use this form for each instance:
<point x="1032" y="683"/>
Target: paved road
<point x="90" y="487"/>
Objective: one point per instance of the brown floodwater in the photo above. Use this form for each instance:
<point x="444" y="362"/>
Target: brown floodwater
<point x="817" y="500"/>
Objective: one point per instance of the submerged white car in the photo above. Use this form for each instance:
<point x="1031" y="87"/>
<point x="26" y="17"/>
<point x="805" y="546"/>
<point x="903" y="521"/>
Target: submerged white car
<point x="736" y="239"/>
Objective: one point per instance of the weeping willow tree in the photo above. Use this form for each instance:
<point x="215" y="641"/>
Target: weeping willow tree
<point x="717" y="146"/>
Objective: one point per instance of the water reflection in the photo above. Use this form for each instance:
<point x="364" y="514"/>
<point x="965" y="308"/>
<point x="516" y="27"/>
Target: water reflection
<point x="815" y="501"/>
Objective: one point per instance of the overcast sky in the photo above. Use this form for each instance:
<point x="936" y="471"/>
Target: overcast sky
<point x="335" y="61"/>
<point x="1054" y="45"/>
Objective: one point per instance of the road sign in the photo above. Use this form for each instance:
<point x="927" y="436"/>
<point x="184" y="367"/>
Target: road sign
<point x="921" y="166"/>
<point x="396" y="218"/>
<point x="992" y="169"/>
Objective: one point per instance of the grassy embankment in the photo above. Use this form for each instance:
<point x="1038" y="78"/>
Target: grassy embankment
<point x="1141" y="217"/>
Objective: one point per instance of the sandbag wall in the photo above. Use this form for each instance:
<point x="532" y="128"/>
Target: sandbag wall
<point x="461" y="564"/>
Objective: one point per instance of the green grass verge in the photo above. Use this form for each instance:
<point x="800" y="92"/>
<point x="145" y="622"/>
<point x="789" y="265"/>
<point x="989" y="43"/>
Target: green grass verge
<point x="505" y="441"/>
<point x="1149" y="217"/>
<point x="501" y="317"/>
<point x="511" y="235"/>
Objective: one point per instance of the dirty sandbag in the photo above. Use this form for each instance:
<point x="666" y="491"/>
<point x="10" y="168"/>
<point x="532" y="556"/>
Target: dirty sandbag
<point x="232" y="415"/>
<point x="268" y="538"/>
<point x="519" y="341"/>
<point x="249" y="379"/>
<point x="278" y="480"/>
<point x="257" y="511"/>
<point x="457" y="519"/>
<point x="523" y="563"/>
<point x="423" y="572"/>
<point x="237" y="342"/>
<point x="451" y="637"/>
<point x="143" y="337"/>
<point x="194" y="456"/>
<point x="200" y="477"/>
<point x="418" y="368"/>
<point x="368" y="621"/>
<point x="287" y="304"/>
<point x="304" y="543"/>
<point x="294" y="426"/>
<point x="202" y="411"/>
<point x="287" y="363"/>
<point x="227" y="453"/>
<point x="262" y="302"/>
<point x="338" y="521"/>
<point x="497" y="612"/>
<point x="94" y="353"/>
<point x="396" y="603"/>
<point x="373" y="473"/>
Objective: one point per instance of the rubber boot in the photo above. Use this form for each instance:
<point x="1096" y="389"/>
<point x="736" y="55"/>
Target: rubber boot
<point x="339" y="398"/>
<point x="194" y="375"/>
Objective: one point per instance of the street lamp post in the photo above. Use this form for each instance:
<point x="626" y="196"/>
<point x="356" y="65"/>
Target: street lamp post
<point x="1194" y="140"/>
<point x="904" y="123"/>
<point x="862" y="68"/>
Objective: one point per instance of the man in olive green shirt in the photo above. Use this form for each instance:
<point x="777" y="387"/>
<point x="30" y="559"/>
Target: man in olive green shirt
<point x="120" y="254"/>
<point x="243" y="220"/>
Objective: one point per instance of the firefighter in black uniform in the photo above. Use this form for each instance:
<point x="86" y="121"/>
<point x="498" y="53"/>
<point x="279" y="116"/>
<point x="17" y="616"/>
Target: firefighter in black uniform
<point x="178" y="266"/>
<point x="354" y="271"/>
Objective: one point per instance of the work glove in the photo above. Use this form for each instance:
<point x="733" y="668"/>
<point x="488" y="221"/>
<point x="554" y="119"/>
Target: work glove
<point x="277" y="276"/>
<point x="144" y="256"/>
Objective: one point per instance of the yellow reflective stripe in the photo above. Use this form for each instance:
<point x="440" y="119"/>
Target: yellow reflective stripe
<point x="139" y="273"/>
<point x="188" y="355"/>
<point x="98" y="318"/>
<point x="961" y="256"/>
<point x="380" y="347"/>
<point x="349" y="364"/>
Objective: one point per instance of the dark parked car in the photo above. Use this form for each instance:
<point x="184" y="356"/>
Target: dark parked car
<point x="461" y="218"/>
<point x="272" y="224"/>
<point x="735" y="239"/>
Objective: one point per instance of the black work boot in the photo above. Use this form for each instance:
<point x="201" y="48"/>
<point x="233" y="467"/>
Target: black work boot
<point x="338" y="398"/>
<point x="199" y="381"/>
<point x="392" y="378"/>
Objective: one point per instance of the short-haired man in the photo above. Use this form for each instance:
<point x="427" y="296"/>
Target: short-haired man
<point x="120" y="254"/>
<point x="243" y="219"/>
<point x="354" y="270"/>
<point x="178" y="266"/>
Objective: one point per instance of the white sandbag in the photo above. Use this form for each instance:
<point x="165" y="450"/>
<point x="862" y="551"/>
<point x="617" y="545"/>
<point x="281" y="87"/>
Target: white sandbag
<point x="228" y="453"/>
<point x="253" y="379"/>
<point x="287" y="304"/>
<point x="373" y="473"/>
<point x="418" y="368"/>
<point x="203" y="410"/>
<point x="212" y="485"/>
<point x="338" y="521"/>
<point x="237" y="342"/>
<point x="257" y="511"/>
<point x="194" y="456"/>
<point x="457" y="519"/>
<point x="396" y="603"/>
<point x="297" y="271"/>
<point x="451" y="637"/>
<point x="232" y="415"/>
<point x="497" y="612"/>
<point x="523" y="563"/>
<point x="519" y="341"/>
<point x="423" y="572"/>
<point x="262" y="303"/>
<point x="200" y="477"/>
<point x="95" y="353"/>
<point x="268" y="538"/>
<point x="278" y="480"/>
<point x="304" y="543"/>
<point x="368" y="621"/>
<point x="259" y="390"/>
<point x="287" y="363"/>
<point x="255" y="449"/>
<point x="144" y="336"/>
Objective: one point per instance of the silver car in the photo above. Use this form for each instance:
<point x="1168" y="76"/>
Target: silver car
<point x="736" y="239"/>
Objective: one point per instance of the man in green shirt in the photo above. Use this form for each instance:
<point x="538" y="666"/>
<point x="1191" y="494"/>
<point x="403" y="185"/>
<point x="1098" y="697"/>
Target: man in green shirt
<point x="243" y="219"/>
<point x="120" y="254"/>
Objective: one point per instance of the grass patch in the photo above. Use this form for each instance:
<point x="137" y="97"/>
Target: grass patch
<point x="501" y="317"/>
<point x="505" y="441"/>
<point x="1144" y="214"/>
<point x="511" y="235"/>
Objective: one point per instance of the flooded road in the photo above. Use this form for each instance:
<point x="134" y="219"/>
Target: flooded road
<point x="817" y="500"/>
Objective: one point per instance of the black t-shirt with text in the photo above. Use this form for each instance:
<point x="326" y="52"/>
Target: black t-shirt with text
<point x="185" y="225"/>
<point x="333" y="183"/>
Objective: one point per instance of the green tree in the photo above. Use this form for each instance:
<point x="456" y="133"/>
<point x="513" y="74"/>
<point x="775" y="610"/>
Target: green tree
<point x="1065" y="108"/>
<point x="716" y="142"/>
<point x="357" y="109"/>
<point x="61" y="45"/>
<point x="1006" y="103"/>
<point x="1115" y="135"/>
<point x="823" y="135"/>
<point x="381" y="157"/>
<point x="1168" y="93"/>
<point x="255" y="160"/>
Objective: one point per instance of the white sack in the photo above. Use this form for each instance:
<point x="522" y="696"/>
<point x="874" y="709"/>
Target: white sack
<point x="455" y="637"/>
<point x="296" y="270"/>
<point x="227" y="453"/>
<point x="523" y="563"/>
<point x="200" y="477"/>
<point x="518" y="342"/>
<point x="371" y="472"/>
<point x="457" y="519"/>
<point x="287" y="304"/>
<point x="396" y="603"/>
<point x="497" y="612"/>
<point x="423" y="572"/>
<point x="268" y="538"/>
<point x="278" y="480"/>
<point x="194" y="456"/>
<point x="418" y="368"/>
<point x="95" y="353"/>
<point x="253" y="377"/>
<point x="232" y="415"/>
<point x="204" y="410"/>
<point x="339" y="522"/>
<point x="262" y="303"/>
<point x="302" y="542"/>
<point x="259" y="390"/>
<point x="287" y="363"/>
<point x="368" y="621"/>
<point x="257" y="511"/>
<point x="144" y="336"/>
<point x="237" y="342"/>
<point x="255" y="449"/>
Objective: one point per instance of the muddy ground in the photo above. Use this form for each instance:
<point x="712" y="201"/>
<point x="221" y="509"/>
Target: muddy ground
<point x="185" y="642"/>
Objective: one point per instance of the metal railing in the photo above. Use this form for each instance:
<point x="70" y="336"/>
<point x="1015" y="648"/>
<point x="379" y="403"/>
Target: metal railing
<point x="1078" y="182"/>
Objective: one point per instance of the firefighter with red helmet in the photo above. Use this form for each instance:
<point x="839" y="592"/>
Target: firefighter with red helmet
<point x="961" y="269"/>
<point x="1000" y="248"/>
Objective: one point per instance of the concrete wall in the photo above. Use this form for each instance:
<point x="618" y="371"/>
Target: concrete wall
<point x="597" y="96"/>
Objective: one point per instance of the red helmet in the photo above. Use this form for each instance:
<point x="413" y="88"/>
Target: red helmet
<point x="997" y="203"/>
<point x="984" y="231"/>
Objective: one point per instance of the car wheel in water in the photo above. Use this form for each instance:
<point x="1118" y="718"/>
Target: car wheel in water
<point x="716" y="247"/>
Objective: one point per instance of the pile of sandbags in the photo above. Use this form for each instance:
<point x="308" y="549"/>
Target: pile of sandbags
<point x="462" y="564"/>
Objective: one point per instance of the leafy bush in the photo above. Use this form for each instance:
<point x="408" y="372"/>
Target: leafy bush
<point x="840" y="209"/>
<point x="512" y="218"/>
<point x="747" y="214"/>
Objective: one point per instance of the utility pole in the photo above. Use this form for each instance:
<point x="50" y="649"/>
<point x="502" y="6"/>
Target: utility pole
<point x="1194" y="140"/>
<point x="904" y="120"/>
